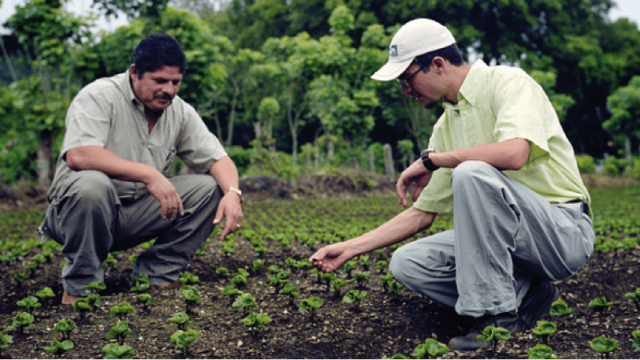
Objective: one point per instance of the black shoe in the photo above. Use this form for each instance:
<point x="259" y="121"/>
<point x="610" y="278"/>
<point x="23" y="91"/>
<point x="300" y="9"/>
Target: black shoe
<point x="537" y="302"/>
<point x="470" y="342"/>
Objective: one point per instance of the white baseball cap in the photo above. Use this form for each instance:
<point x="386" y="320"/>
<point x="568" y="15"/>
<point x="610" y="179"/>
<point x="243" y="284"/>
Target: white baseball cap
<point x="414" y="38"/>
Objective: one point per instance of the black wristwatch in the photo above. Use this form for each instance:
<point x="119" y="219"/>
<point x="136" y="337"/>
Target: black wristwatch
<point x="428" y="163"/>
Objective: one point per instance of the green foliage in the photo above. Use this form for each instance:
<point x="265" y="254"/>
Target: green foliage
<point x="338" y="284"/>
<point x="121" y="310"/>
<point x="5" y="340"/>
<point x="541" y="351"/>
<point x="600" y="304"/>
<point x="635" y="296"/>
<point x="430" y="347"/>
<point x="625" y="111"/>
<point x="65" y="326"/>
<point x="45" y="293"/>
<point x="560" y="308"/>
<point x="586" y="164"/>
<point x="603" y="344"/>
<point x="29" y="303"/>
<point x="82" y="306"/>
<point x="115" y="351"/>
<point x="58" y="348"/>
<point x="184" y="338"/>
<point x="145" y="299"/>
<point x="311" y="304"/>
<point x="95" y="286"/>
<point x="257" y="264"/>
<point x="245" y="301"/>
<point x="544" y="330"/>
<point x="231" y="292"/>
<point x="493" y="334"/>
<point x="190" y="296"/>
<point x="222" y="271"/>
<point x="256" y="321"/>
<point x="21" y="321"/>
<point x="181" y="319"/>
<point x="290" y="289"/>
<point x="119" y="331"/>
<point x="188" y="278"/>
<point x="354" y="296"/>
<point x="636" y="343"/>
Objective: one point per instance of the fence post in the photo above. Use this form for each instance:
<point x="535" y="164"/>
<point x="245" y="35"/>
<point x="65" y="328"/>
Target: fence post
<point x="388" y="160"/>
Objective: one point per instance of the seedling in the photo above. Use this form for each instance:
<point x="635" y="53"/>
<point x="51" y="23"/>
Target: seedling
<point x="142" y="283"/>
<point x="338" y="284"/>
<point x="290" y="289"/>
<point x="311" y="304"/>
<point x="604" y="345"/>
<point x="115" y="351"/>
<point x="21" y="321"/>
<point x="385" y="280"/>
<point x="544" y="330"/>
<point x="600" y="305"/>
<point x="274" y="269"/>
<point x="5" y="340"/>
<point x="560" y="308"/>
<point x="318" y="274"/>
<point x="257" y="265"/>
<point x="45" y="293"/>
<point x="303" y="263"/>
<point x="231" y="292"/>
<point x="361" y="277"/>
<point x="256" y="321"/>
<point x="58" y="348"/>
<point x="431" y="347"/>
<point x="349" y="266"/>
<point x="381" y="265"/>
<point x="121" y="310"/>
<point x="541" y="351"/>
<point x="245" y="301"/>
<point x="32" y="267"/>
<point x="95" y="286"/>
<point x="190" y="296"/>
<point x="378" y="251"/>
<point x="133" y="259"/>
<point x="39" y="258"/>
<point x="493" y="334"/>
<point x="290" y="262"/>
<point x="328" y="278"/>
<point x="82" y="306"/>
<point x="184" y="338"/>
<point x="29" y="303"/>
<point x="94" y="299"/>
<point x="19" y="278"/>
<point x="281" y="278"/>
<point x="108" y="263"/>
<point x="145" y="300"/>
<point x="364" y="261"/>
<point x="239" y="279"/>
<point x="354" y="296"/>
<point x="119" y="332"/>
<point x="635" y="296"/>
<point x="181" y="319"/>
<point x="395" y="288"/>
<point x="398" y="356"/>
<point x="222" y="271"/>
<point x="636" y="342"/>
<point x="65" y="327"/>
<point x="187" y="278"/>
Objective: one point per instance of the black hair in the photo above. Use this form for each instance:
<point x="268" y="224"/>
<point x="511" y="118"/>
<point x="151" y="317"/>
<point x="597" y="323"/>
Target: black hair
<point x="158" y="50"/>
<point x="450" y="53"/>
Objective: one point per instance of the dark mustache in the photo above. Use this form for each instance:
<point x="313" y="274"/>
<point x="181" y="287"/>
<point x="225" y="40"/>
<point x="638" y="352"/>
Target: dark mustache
<point x="164" y="96"/>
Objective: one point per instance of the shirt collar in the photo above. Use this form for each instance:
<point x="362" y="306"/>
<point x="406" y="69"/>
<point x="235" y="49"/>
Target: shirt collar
<point x="126" y="88"/>
<point x="473" y="83"/>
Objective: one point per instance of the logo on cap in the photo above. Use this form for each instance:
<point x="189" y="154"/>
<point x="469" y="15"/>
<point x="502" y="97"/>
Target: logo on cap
<point x="393" y="51"/>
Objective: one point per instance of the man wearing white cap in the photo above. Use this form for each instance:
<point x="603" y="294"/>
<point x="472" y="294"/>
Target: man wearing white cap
<point x="499" y="159"/>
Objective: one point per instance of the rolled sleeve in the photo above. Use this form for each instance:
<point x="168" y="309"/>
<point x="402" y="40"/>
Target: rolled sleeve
<point x="198" y="147"/>
<point x="87" y="122"/>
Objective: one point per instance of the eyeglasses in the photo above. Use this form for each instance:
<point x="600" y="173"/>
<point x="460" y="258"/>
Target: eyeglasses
<point x="405" y="81"/>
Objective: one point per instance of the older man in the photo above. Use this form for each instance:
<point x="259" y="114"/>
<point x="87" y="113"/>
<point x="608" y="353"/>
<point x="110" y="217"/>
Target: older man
<point x="111" y="192"/>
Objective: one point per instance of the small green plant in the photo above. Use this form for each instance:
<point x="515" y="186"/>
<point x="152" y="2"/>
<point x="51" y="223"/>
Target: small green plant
<point x="318" y="274"/>
<point x="349" y="266"/>
<point x="142" y="283"/>
<point x="5" y="340"/>
<point x="544" y="330"/>
<point x="222" y="271"/>
<point x="354" y="296"/>
<point x="231" y="292"/>
<point x="290" y="262"/>
<point x="20" y="278"/>
<point x="95" y="286"/>
<point x="115" y="351"/>
<point x="600" y="305"/>
<point x="257" y="265"/>
<point x="245" y="301"/>
<point x="256" y="321"/>
<point x="328" y="278"/>
<point x="181" y="319"/>
<point x="635" y="296"/>
<point x="364" y="261"/>
<point x="381" y="265"/>
<point x="184" y="338"/>
<point x="303" y="263"/>
<point x="121" y="310"/>
<point x="378" y="252"/>
<point x="94" y="299"/>
<point x="395" y="288"/>
<point x="541" y="351"/>
<point x="338" y="284"/>
<point x="45" y="293"/>
<point x="65" y="326"/>
<point x="311" y="304"/>
<point x="274" y="269"/>
<point x="560" y="308"/>
<point x="108" y="263"/>
<point x="430" y="347"/>
<point x="493" y="334"/>
<point x="145" y="300"/>
<point x="133" y="259"/>
<point x="32" y="267"/>
<point x="119" y="332"/>
<point x="385" y="280"/>
<point x="277" y="281"/>
<point x="187" y="278"/>
<point x="58" y="348"/>
<point x="361" y="278"/>
<point x="636" y="342"/>
<point x="239" y="280"/>
<point x="22" y="321"/>
<point x="29" y="303"/>
<point x="82" y="306"/>
<point x="604" y="345"/>
<point x="290" y="289"/>
<point x="190" y="296"/>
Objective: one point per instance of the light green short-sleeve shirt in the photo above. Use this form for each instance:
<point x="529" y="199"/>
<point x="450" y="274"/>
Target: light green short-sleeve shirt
<point x="106" y="113"/>
<point x="497" y="104"/>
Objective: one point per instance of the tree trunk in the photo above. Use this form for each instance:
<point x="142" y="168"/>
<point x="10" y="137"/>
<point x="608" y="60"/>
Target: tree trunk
<point x="45" y="148"/>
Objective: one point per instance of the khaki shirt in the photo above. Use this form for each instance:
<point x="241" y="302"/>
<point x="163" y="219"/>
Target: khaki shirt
<point x="106" y="113"/>
<point x="497" y="104"/>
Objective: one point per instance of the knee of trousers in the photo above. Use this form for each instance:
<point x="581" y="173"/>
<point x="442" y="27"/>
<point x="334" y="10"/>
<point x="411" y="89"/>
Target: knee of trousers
<point x="471" y="172"/>
<point x="92" y="188"/>
<point x="400" y="268"/>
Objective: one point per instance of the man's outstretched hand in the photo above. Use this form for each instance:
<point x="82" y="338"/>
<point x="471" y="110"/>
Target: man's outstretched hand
<point x="330" y="257"/>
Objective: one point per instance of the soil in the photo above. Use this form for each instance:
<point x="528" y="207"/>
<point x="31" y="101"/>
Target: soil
<point x="381" y="326"/>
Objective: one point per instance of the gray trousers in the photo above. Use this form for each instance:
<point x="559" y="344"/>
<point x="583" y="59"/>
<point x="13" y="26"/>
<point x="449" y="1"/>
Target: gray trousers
<point x="504" y="235"/>
<point x="89" y="220"/>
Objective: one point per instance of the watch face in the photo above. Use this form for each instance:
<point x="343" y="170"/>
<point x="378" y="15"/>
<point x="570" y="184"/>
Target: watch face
<point x="424" y="154"/>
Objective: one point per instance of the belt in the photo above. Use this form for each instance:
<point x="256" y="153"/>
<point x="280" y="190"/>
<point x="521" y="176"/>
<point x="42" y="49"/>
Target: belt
<point x="585" y="205"/>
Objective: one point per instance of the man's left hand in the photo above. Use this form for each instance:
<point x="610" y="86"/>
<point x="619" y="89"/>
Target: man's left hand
<point x="230" y="210"/>
<point x="415" y="173"/>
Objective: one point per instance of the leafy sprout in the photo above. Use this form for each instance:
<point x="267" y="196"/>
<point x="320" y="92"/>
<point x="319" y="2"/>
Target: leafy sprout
<point x="311" y="304"/>
<point x="361" y="278"/>
<point x="635" y="296"/>
<point x="82" y="306"/>
<point x="58" y="348"/>
<point x="245" y="301"/>
<point x="430" y="347"/>
<point x="338" y="284"/>
<point x="222" y="271"/>
<point x="121" y="310"/>
<point x="95" y="286"/>
<point x="303" y="263"/>
<point x="142" y="283"/>
<point x="256" y="321"/>
<point x="636" y="342"/>
<point x="145" y="300"/>
<point x="600" y="304"/>
<point x="395" y="288"/>
<point x="184" y="338"/>
<point x="354" y="296"/>
<point x="22" y="321"/>
<point x="119" y="332"/>
<point x="560" y="308"/>
<point x="385" y="280"/>
<point x="65" y="326"/>
<point x="544" y="330"/>
<point x="493" y="334"/>
<point x="381" y="265"/>
<point x="29" y="303"/>
<point x="5" y="340"/>
<point x="290" y="289"/>
<point x="20" y="278"/>
<point x="115" y="351"/>
<point x="541" y="351"/>
<point x="349" y="266"/>
<point x="604" y="345"/>
<point x="190" y="296"/>
<point x="257" y="264"/>
<point x="328" y="278"/>
<point x="45" y="293"/>
<point x="188" y="278"/>
<point x="364" y="261"/>
<point x="181" y="319"/>
<point x="231" y="292"/>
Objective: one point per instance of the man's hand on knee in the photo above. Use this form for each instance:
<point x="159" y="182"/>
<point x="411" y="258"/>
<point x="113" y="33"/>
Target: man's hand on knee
<point x="163" y="190"/>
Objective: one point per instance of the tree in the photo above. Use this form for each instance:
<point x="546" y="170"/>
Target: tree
<point x="624" y="124"/>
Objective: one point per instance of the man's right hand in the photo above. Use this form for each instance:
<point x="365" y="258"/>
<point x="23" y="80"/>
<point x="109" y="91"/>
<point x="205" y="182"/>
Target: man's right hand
<point x="163" y="190"/>
<point x="417" y="173"/>
<point x="330" y="257"/>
